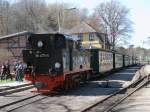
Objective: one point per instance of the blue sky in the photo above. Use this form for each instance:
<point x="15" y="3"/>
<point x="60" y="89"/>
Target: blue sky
<point x="139" y="14"/>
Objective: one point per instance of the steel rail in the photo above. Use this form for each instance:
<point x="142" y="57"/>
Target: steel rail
<point x="22" y="101"/>
<point x="116" y="93"/>
<point x="18" y="101"/>
<point x="122" y="99"/>
<point x="15" y="103"/>
<point x="14" y="89"/>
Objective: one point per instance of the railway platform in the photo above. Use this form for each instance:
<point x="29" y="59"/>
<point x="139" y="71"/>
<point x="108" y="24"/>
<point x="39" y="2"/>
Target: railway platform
<point x="120" y="79"/>
<point x="73" y="101"/>
<point x="12" y="84"/>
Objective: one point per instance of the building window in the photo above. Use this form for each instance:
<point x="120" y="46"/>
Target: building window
<point x="80" y="36"/>
<point x="91" y="36"/>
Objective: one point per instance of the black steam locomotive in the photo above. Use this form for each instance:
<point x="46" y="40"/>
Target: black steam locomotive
<point x="55" y="61"/>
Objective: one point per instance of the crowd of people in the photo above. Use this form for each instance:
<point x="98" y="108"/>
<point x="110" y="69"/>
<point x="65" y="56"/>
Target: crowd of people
<point x="17" y="72"/>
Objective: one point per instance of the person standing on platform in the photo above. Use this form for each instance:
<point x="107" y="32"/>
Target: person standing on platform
<point x="3" y="71"/>
<point x="14" y="68"/>
<point x="19" y="71"/>
<point x="8" y="75"/>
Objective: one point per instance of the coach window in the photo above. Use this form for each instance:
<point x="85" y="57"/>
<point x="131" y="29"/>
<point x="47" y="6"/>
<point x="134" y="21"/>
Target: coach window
<point x="80" y="36"/>
<point x="91" y="36"/>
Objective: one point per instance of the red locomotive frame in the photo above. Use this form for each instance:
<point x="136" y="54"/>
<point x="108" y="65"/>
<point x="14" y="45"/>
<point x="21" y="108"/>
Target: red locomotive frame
<point x="65" y="81"/>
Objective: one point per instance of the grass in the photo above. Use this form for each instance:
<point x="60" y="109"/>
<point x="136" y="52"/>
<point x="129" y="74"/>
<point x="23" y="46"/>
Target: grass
<point x="7" y="81"/>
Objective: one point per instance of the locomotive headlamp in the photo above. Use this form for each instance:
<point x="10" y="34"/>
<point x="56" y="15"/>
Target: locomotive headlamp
<point x="30" y="52"/>
<point x="57" y="65"/>
<point x="40" y="44"/>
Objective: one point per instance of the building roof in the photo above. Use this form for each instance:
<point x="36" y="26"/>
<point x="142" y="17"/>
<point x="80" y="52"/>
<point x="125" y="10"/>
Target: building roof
<point x="15" y="35"/>
<point x="86" y="28"/>
<point x="82" y="28"/>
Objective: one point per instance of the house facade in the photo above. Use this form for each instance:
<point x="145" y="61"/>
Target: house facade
<point x="89" y="37"/>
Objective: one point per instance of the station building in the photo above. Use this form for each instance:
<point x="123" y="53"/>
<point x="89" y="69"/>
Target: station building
<point x="89" y="37"/>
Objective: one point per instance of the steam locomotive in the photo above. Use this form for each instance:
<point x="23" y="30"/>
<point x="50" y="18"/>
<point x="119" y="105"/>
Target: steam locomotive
<point x="55" y="61"/>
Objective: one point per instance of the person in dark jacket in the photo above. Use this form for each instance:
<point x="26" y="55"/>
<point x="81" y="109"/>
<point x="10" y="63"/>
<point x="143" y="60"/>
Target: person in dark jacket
<point x="8" y="75"/>
<point x="3" y="71"/>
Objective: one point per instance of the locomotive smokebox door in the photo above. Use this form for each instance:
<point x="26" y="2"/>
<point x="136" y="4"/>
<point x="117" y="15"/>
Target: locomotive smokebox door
<point x="47" y="52"/>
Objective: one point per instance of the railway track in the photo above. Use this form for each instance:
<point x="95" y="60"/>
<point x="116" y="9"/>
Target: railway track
<point x="108" y="104"/>
<point x="11" y="107"/>
<point x="21" y="102"/>
<point x="6" y="91"/>
<point x="13" y="89"/>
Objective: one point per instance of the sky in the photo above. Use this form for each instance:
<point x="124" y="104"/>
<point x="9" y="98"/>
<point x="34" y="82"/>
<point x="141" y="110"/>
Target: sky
<point x="139" y="14"/>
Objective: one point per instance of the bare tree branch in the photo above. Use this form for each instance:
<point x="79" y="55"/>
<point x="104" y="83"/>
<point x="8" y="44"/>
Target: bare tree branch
<point x="114" y="16"/>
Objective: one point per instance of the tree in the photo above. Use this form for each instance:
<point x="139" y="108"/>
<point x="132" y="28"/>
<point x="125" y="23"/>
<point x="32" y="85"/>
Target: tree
<point x="122" y="50"/>
<point x="142" y="54"/>
<point x="61" y="15"/>
<point x="35" y="16"/>
<point x="29" y="14"/>
<point x="4" y="17"/>
<point x="94" y="22"/>
<point x="114" y="19"/>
